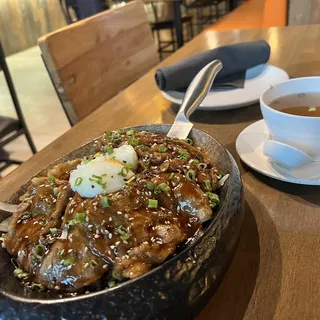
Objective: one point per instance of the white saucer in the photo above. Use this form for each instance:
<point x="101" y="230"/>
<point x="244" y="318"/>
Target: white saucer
<point x="258" y="79"/>
<point x="249" y="146"/>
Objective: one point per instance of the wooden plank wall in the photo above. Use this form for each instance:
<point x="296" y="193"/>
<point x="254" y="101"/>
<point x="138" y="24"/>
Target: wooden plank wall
<point x="303" y="12"/>
<point x="22" y="22"/>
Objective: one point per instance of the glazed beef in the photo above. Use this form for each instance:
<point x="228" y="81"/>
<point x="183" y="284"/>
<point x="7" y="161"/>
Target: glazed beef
<point x="66" y="242"/>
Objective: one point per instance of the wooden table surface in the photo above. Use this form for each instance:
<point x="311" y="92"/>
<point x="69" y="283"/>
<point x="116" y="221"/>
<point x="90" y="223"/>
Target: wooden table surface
<point x="275" y="273"/>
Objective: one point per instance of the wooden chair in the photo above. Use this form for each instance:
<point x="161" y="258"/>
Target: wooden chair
<point x="92" y="60"/>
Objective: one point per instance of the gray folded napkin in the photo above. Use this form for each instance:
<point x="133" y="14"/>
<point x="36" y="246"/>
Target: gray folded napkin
<point x="236" y="59"/>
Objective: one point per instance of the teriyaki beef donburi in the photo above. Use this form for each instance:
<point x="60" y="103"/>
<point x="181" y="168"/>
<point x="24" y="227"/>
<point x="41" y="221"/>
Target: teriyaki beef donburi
<point x="113" y="215"/>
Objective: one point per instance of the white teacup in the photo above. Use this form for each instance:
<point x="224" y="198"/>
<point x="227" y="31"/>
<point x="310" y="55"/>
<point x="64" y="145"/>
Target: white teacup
<point x="294" y="140"/>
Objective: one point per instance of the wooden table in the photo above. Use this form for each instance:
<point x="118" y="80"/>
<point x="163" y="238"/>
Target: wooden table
<point x="275" y="273"/>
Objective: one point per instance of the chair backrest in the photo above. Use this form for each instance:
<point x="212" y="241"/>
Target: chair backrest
<point x="94" y="59"/>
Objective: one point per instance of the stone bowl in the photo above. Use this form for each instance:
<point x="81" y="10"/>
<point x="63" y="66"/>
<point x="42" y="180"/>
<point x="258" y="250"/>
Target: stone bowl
<point x="177" y="289"/>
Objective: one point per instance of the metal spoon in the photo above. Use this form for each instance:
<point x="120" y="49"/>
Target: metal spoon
<point x="195" y="94"/>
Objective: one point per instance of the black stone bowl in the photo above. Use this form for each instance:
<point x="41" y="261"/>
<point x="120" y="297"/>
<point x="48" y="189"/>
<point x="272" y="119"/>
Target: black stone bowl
<point x="178" y="288"/>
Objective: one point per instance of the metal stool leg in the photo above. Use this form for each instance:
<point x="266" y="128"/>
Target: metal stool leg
<point x="15" y="100"/>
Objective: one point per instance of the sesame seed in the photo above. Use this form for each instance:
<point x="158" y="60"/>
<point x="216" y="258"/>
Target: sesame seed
<point x="70" y="250"/>
<point x="57" y="287"/>
<point x="112" y="247"/>
<point x="119" y="212"/>
<point x="117" y="243"/>
<point x="86" y="265"/>
<point x="105" y="266"/>
<point x="86" y="249"/>
<point x="97" y="231"/>
<point x="90" y="226"/>
<point x="26" y="237"/>
<point x="97" y="236"/>
<point x="50" y="266"/>
<point x="69" y="267"/>
<point x="189" y="225"/>
<point x="46" y="252"/>
<point x="109" y="252"/>
<point x="110" y="219"/>
<point x="110" y="236"/>
<point x="131" y="218"/>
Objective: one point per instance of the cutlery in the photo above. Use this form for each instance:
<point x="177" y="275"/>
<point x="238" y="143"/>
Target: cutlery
<point x="195" y="94"/>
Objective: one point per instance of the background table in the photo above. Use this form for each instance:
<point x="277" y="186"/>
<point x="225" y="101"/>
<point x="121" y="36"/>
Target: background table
<point x="275" y="273"/>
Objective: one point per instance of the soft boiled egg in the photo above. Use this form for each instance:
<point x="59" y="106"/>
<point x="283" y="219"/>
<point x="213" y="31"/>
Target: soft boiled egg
<point x="125" y="154"/>
<point x="104" y="174"/>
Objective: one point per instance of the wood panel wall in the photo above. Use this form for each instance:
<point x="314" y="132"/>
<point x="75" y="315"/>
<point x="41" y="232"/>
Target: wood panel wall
<point x="22" y="22"/>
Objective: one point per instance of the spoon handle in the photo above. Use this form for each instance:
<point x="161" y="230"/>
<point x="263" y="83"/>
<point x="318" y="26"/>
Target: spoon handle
<point x="195" y="94"/>
<point x="8" y="207"/>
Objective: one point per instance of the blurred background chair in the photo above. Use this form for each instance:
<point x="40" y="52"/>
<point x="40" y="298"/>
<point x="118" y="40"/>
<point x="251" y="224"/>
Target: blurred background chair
<point x="206" y="12"/>
<point x="10" y="128"/>
<point x="92" y="60"/>
<point x="160" y="16"/>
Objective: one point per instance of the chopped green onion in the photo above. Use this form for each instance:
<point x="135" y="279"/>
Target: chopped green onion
<point x="109" y="150"/>
<point x="191" y="175"/>
<point x="71" y="222"/>
<point x="183" y="154"/>
<point x="98" y="180"/>
<point x="93" y="264"/>
<point x="104" y="202"/>
<point x="207" y="185"/>
<point x="130" y="132"/>
<point x="17" y="272"/>
<point x="115" y="136"/>
<point x="80" y="217"/>
<point x="54" y="231"/>
<point x="55" y="191"/>
<point x="164" y="166"/>
<point x="190" y="141"/>
<point x="152" y="203"/>
<point x="213" y="199"/>
<point x="39" y="251"/>
<point x="111" y="284"/>
<point x="68" y="262"/>
<point x="123" y="232"/>
<point x="149" y="185"/>
<point x="108" y="132"/>
<point x="124" y="171"/>
<point x="157" y="190"/>
<point x="78" y="181"/>
<point x="26" y="215"/>
<point x="164" y="187"/>
<point x="133" y="142"/>
<point x="194" y="161"/>
<point x="202" y="166"/>
<point x="219" y="176"/>
<point x="117" y="275"/>
<point x="162" y="149"/>
<point x="171" y="176"/>
<point x="52" y="179"/>
<point x="37" y="286"/>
